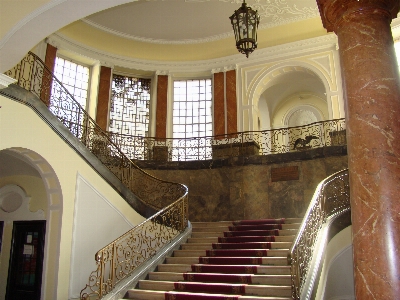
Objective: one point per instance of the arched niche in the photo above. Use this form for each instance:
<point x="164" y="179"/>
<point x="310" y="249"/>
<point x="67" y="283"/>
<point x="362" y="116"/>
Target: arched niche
<point x="22" y="163"/>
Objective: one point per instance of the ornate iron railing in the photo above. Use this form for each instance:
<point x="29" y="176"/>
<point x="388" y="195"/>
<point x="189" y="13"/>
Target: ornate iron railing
<point x="282" y="140"/>
<point x="331" y="198"/>
<point x="33" y="75"/>
<point x="120" y="258"/>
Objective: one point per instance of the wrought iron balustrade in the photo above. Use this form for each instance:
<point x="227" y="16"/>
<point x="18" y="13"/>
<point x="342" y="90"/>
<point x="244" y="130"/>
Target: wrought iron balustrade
<point x="283" y="140"/>
<point x="332" y="198"/>
<point x="120" y="258"/>
<point x="33" y="75"/>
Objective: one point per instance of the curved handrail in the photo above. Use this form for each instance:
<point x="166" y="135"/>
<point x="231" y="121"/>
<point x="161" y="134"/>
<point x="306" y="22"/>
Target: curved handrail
<point x="331" y="198"/>
<point x="120" y="258"/>
<point x="33" y="75"/>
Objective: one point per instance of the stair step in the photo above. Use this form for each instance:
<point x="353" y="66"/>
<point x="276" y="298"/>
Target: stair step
<point x="287" y="238"/>
<point x="248" y="289"/>
<point x="160" y="295"/>
<point x="209" y="246"/>
<point x="257" y="269"/>
<point x="272" y="261"/>
<point x="220" y="277"/>
<point x="282" y="232"/>
<point x="232" y="252"/>
<point x="227" y="228"/>
<point x="230" y="223"/>
<point x="226" y="260"/>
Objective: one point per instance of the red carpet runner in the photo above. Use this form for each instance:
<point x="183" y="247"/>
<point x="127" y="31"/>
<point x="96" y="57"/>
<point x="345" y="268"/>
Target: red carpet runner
<point x="236" y="254"/>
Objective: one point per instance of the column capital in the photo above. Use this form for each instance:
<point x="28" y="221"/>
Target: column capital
<point x="333" y="12"/>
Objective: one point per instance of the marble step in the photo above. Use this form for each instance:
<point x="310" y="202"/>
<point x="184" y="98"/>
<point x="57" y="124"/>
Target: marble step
<point x="255" y="279"/>
<point x="272" y="261"/>
<point x="226" y="228"/>
<point x="250" y="289"/>
<point x="282" y="232"/>
<point x="160" y="295"/>
<point x="199" y="252"/>
<point x="285" y="238"/>
<point x="230" y="223"/>
<point x="261" y="269"/>
<point x="209" y="246"/>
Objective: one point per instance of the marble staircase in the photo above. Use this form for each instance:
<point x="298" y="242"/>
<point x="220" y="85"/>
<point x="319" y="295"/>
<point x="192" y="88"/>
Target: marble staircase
<point x="226" y="260"/>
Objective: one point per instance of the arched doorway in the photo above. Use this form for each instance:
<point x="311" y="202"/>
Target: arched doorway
<point x="30" y="190"/>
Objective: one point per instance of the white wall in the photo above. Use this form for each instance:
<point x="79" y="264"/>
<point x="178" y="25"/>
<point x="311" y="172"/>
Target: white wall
<point x="337" y="277"/>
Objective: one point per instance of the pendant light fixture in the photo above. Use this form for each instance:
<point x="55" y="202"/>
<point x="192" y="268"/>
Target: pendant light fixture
<point x="245" y="22"/>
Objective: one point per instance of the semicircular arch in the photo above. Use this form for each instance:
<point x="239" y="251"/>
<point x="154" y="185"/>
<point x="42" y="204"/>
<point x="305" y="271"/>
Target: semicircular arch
<point x="272" y="75"/>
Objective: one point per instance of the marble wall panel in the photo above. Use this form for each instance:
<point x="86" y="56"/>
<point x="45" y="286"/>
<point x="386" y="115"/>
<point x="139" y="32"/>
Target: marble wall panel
<point x="103" y="98"/>
<point x="246" y="192"/>
<point x="231" y="103"/>
<point x="161" y="110"/>
<point x="219" y="103"/>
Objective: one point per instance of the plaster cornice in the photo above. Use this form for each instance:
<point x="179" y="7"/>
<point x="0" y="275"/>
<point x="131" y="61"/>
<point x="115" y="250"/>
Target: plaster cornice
<point x="260" y="55"/>
<point x="213" y="38"/>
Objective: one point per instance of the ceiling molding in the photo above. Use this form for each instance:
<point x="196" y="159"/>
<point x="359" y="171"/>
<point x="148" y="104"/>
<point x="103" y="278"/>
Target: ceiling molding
<point x="273" y="13"/>
<point x="328" y="41"/>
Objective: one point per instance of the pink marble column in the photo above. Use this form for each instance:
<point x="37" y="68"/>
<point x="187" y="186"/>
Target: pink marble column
<point x="103" y="98"/>
<point x="231" y="103"/>
<point x="219" y="104"/>
<point x="372" y="101"/>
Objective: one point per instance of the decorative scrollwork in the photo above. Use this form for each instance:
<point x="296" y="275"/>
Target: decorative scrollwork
<point x="283" y="140"/>
<point x="332" y="197"/>
<point x="120" y="258"/>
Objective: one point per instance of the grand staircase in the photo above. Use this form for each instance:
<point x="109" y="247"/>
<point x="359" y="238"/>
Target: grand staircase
<point x="226" y="260"/>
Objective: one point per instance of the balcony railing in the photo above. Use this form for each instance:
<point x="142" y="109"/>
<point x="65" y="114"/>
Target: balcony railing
<point x="283" y="140"/>
<point x="331" y="199"/>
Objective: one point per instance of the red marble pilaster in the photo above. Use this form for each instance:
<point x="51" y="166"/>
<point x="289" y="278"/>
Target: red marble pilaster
<point x="103" y="98"/>
<point x="231" y="103"/>
<point x="372" y="101"/>
<point x="161" y="111"/>
<point x="219" y="103"/>
<point x="47" y="80"/>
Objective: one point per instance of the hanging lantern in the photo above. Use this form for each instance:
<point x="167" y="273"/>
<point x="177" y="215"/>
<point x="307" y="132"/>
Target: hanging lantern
<point x="245" y="22"/>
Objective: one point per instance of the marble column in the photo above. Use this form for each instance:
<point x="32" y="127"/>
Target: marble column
<point x="160" y="150"/>
<point x="47" y="79"/>
<point x="103" y="98"/>
<point x="372" y="102"/>
<point x="219" y="104"/>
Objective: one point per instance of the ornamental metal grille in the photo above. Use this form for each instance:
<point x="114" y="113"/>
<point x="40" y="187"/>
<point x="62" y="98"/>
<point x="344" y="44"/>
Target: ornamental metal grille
<point x="192" y="118"/>
<point x="74" y="77"/>
<point x="130" y="106"/>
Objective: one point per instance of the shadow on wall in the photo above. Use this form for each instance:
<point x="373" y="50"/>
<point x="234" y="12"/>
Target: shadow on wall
<point x="337" y="277"/>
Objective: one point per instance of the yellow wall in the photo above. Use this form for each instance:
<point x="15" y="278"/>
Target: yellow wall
<point x="33" y="187"/>
<point x="21" y="127"/>
<point x="11" y="12"/>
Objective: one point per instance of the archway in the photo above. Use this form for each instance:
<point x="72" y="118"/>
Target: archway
<point x="26" y="168"/>
<point x="42" y="22"/>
